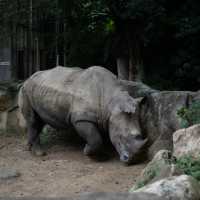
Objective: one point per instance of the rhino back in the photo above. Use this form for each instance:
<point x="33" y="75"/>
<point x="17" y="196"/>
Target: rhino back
<point x="96" y="85"/>
<point x="94" y="91"/>
<point x="50" y="94"/>
<point x="57" y="93"/>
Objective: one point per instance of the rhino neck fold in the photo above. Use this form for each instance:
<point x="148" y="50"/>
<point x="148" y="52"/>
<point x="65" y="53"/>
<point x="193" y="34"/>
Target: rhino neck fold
<point x="105" y="108"/>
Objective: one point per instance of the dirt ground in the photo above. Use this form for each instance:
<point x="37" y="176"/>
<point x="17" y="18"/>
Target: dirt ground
<point x="64" y="171"/>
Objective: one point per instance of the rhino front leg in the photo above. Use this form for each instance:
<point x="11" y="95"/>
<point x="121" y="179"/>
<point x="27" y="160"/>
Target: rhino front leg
<point x="90" y="133"/>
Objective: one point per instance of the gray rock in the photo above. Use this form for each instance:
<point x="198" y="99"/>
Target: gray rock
<point x="6" y="174"/>
<point x="159" y="118"/>
<point x="137" y="89"/>
<point x="187" y="142"/>
<point x="177" y="187"/>
<point x="119" y="196"/>
<point x="10" y="118"/>
<point x="99" y="196"/>
<point x="5" y="100"/>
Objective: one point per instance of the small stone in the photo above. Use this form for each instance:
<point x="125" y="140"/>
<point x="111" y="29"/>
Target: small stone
<point x="6" y="174"/>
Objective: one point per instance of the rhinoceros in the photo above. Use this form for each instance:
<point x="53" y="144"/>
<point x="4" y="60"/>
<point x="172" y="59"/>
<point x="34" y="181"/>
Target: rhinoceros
<point x="91" y="100"/>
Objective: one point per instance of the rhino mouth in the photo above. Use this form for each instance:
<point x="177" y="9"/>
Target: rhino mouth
<point x="135" y="158"/>
<point x="125" y="156"/>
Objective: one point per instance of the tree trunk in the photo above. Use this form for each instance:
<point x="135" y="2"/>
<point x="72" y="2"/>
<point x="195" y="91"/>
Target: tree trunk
<point x="64" y="43"/>
<point x="13" y="50"/>
<point x="26" y="56"/>
<point x="135" y="60"/>
<point x="122" y="68"/>
<point x="57" y="32"/>
<point x="37" y="54"/>
<point x="29" y="40"/>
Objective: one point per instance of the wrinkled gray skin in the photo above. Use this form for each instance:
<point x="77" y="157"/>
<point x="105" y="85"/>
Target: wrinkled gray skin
<point x="91" y="100"/>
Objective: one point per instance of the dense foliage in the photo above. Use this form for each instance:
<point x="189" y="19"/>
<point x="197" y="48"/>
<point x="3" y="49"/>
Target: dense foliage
<point x="189" y="166"/>
<point x="190" y="116"/>
<point x="160" y="37"/>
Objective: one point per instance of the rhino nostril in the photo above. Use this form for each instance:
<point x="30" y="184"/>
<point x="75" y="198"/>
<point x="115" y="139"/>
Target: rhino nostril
<point x="125" y="157"/>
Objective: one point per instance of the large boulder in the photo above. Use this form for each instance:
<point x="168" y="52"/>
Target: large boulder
<point x="187" y="142"/>
<point x="177" y="187"/>
<point x="10" y="118"/>
<point x="137" y="89"/>
<point x="5" y="100"/>
<point x="5" y="103"/>
<point x="159" y="118"/>
<point x="162" y="166"/>
<point x="118" y="196"/>
<point x="196" y="96"/>
<point x="99" y="196"/>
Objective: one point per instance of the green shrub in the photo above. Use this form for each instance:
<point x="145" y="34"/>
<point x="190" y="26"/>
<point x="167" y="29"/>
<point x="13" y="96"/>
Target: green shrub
<point x="190" y="166"/>
<point x="45" y="136"/>
<point x="149" y="175"/>
<point x="190" y="116"/>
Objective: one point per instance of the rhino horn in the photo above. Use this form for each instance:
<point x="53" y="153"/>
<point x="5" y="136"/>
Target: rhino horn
<point x="141" y="143"/>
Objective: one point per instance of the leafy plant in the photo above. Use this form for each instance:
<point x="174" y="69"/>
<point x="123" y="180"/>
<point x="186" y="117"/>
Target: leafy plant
<point x="190" y="166"/>
<point x="190" y="116"/>
<point x="150" y="174"/>
<point x="45" y="136"/>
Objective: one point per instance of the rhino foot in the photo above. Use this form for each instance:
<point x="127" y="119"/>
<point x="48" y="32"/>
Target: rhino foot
<point x="91" y="151"/>
<point x="36" y="150"/>
<point x="39" y="153"/>
<point x="96" y="154"/>
<point x="88" y="151"/>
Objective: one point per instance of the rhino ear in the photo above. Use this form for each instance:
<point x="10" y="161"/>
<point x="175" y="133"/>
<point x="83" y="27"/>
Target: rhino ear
<point x="128" y="107"/>
<point x="129" y="104"/>
<point x="123" y="102"/>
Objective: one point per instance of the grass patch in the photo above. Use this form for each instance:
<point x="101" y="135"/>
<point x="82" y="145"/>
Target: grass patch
<point x="149" y="175"/>
<point x="190" y="116"/>
<point x="189" y="166"/>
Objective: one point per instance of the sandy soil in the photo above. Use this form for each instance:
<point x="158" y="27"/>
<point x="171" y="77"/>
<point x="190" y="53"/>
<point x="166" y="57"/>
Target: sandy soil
<point x="65" y="171"/>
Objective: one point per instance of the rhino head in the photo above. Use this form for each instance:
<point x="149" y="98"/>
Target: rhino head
<point x="124" y="128"/>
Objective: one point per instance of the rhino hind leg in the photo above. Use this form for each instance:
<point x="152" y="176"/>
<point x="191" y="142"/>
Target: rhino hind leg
<point x="34" y="124"/>
<point x="89" y="132"/>
<point x="34" y="128"/>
